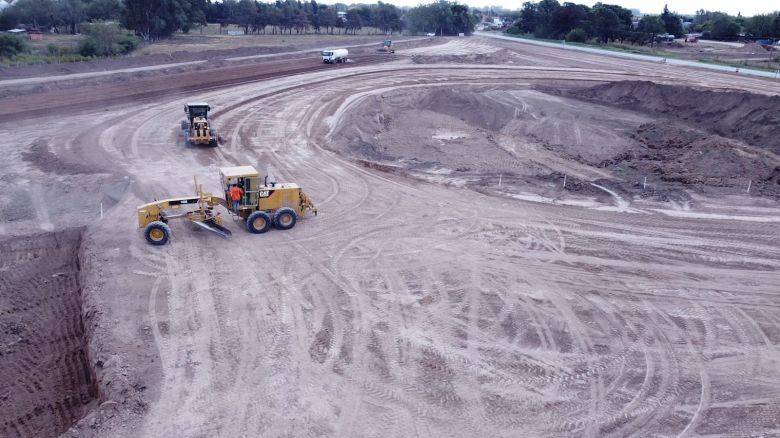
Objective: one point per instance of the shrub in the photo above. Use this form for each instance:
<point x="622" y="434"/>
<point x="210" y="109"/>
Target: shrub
<point x="106" y="39"/>
<point x="128" y="42"/>
<point x="577" y="36"/>
<point x="12" y="45"/>
<point x="52" y="49"/>
<point x="88" y="47"/>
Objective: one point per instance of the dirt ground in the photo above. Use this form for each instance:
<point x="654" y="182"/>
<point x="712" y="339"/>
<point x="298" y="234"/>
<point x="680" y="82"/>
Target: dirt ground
<point x="430" y="296"/>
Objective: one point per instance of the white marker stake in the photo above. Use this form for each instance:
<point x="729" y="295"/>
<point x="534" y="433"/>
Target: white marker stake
<point x="644" y="184"/>
<point x="499" y="180"/>
<point x="564" y="180"/>
<point x="749" y="183"/>
<point x="101" y="210"/>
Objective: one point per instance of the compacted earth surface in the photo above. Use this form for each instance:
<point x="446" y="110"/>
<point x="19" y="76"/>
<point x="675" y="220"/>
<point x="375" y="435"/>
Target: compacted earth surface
<point x="512" y="240"/>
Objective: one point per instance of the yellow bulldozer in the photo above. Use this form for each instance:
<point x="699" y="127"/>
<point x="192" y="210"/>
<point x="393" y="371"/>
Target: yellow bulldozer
<point x="261" y="205"/>
<point x="197" y="128"/>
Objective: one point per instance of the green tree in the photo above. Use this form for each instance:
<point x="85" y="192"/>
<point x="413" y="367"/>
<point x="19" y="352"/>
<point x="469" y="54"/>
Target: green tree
<point x="38" y="13"/>
<point x="723" y="27"/>
<point x="155" y="19"/>
<point x="606" y="22"/>
<point x="761" y="26"/>
<point x="672" y="22"/>
<point x="651" y="25"/>
<point x="354" y="22"/>
<point x="569" y="17"/>
<point x="529" y="18"/>
<point x="71" y="13"/>
<point x="244" y="14"/>
<point x="103" y="9"/>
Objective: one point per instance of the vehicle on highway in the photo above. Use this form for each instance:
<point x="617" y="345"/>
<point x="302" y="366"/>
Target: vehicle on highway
<point x="333" y="56"/>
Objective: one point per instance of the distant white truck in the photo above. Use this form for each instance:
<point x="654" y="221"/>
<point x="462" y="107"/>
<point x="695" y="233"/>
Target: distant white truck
<point x="332" y="56"/>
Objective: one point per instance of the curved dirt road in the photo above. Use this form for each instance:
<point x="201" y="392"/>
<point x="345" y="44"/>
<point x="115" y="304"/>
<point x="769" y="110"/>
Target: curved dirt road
<point x="405" y="308"/>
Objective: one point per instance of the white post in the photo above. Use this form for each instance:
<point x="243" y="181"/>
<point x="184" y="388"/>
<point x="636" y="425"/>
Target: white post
<point x="564" y="180"/>
<point x="101" y="210"/>
<point x="644" y="184"/>
<point x="749" y="183"/>
<point x="499" y="180"/>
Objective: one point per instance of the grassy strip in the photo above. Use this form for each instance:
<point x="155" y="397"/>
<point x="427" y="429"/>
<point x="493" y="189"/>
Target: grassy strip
<point x="35" y="59"/>
<point x="642" y="50"/>
<point x="736" y="65"/>
<point x="614" y="47"/>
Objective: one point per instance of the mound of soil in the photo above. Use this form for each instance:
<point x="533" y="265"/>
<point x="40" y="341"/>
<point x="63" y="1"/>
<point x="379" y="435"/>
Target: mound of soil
<point x="502" y="56"/>
<point x="525" y="138"/>
<point x="692" y="157"/>
<point x="46" y="381"/>
<point x="752" y="118"/>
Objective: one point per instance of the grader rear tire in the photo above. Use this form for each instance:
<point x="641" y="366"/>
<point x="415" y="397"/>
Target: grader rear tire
<point x="285" y="218"/>
<point x="258" y="222"/>
<point x="157" y="233"/>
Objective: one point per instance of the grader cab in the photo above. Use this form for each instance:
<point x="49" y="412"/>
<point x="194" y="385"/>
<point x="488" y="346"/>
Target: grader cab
<point x="197" y="128"/>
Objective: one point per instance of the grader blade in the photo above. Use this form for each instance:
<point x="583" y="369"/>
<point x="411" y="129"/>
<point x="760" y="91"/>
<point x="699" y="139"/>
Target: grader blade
<point x="214" y="228"/>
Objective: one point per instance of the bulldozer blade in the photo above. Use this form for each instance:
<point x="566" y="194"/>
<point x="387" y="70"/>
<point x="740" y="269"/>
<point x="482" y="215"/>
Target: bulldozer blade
<point x="214" y="228"/>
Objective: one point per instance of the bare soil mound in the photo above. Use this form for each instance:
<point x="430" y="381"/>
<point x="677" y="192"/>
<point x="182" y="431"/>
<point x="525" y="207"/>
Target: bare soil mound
<point x="502" y="56"/>
<point x="46" y="384"/>
<point x="752" y="118"/>
<point x="524" y="138"/>
<point x="694" y="158"/>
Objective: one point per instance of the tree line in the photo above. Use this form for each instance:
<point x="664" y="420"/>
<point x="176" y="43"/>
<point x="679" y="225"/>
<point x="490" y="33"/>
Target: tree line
<point x="722" y="26"/>
<point x="605" y="23"/>
<point x="155" y="19"/>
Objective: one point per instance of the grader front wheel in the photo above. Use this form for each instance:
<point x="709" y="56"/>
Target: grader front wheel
<point x="157" y="233"/>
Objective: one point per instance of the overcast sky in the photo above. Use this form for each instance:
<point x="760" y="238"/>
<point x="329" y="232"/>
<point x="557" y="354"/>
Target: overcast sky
<point x="746" y="7"/>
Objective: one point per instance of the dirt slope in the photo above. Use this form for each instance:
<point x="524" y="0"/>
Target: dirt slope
<point x="752" y="118"/>
<point x="46" y="380"/>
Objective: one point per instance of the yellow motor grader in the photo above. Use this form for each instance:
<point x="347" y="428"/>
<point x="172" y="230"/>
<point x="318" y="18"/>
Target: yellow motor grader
<point x="197" y="129"/>
<point x="262" y="205"/>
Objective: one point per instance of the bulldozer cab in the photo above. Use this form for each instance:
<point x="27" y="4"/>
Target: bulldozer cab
<point x="196" y="109"/>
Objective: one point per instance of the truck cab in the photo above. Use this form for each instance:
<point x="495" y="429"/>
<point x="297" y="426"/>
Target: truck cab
<point x="333" y="56"/>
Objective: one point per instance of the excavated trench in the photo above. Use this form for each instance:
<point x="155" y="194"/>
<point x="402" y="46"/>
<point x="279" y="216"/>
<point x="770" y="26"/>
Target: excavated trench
<point x="635" y="138"/>
<point x="47" y="382"/>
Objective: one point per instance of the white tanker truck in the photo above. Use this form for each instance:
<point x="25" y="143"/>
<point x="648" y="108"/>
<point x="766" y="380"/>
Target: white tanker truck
<point x="332" y="56"/>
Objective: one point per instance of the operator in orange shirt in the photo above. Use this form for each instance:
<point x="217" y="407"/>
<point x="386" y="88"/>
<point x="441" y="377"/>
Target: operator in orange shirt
<point x="236" y="193"/>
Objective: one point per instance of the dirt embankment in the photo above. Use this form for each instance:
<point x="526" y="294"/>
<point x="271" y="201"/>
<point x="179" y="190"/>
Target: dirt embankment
<point x="530" y="140"/>
<point x="752" y="118"/>
<point x="703" y="138"/>
<point x="47" y="383"/>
